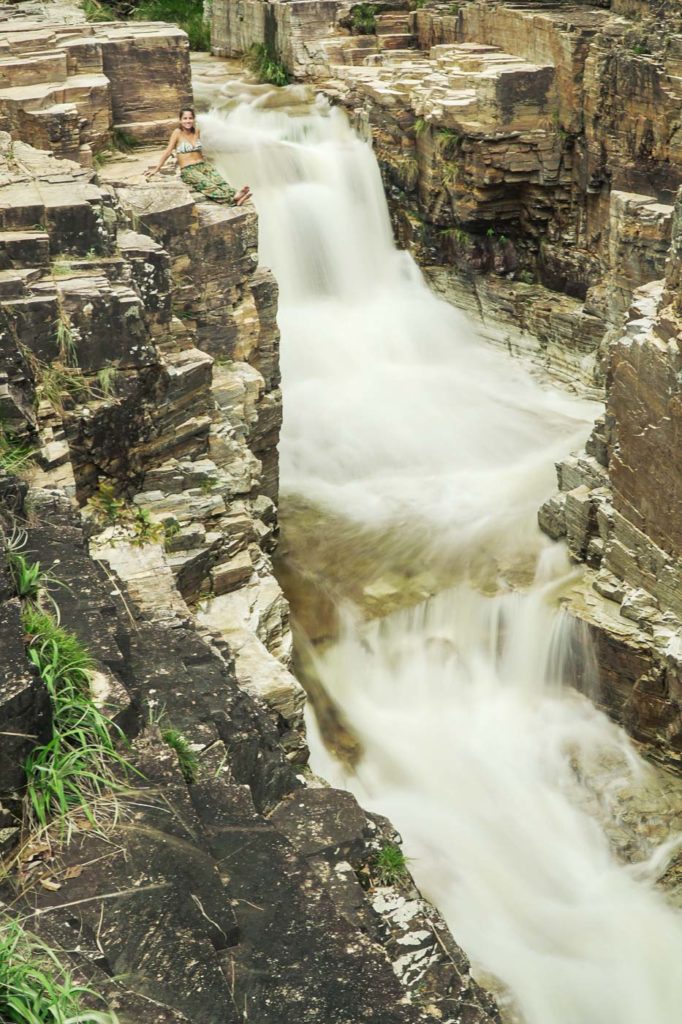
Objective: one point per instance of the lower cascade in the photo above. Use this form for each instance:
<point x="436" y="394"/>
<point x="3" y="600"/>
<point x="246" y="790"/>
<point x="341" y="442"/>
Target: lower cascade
<point x="424" y="454"/>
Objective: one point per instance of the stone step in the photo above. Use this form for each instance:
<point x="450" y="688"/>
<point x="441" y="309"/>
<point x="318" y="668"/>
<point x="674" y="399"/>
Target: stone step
<point x="399" y="41"/>
<point x="24" y="249"/>
<point x="392" y="22"/>
<point x="148" y="133"/>
<point x="13" y="282"/>
<point x="33" y="69"/>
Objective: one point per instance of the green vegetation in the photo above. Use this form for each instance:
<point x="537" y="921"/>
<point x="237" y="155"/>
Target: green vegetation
<point x="57" y="382"/>
<point x="453" y="9"/>
<point x="363" y="19"/>
<point x="420" y="126"/>
<point x="112" y="511"/>
<point x="187" y="759"/>
<point x="75" y="768"/>
<point x="146" y="531"/>
<point x="107" y="379"/>
<point x="66" y="340"/>
<point x="15" y="456"/>
<point x="35" y="988"/>
<point x="109" y="509"/>
<point x="447" y="140"/>
<point x="265" y="64"/>
<point x="29" y="578"/>
<point x="526" y="277"/>
<point x="123" y="141"/>
<point x="95" y="11"/>
<point x="186" y="14"/>
<point x="389" y="866"/>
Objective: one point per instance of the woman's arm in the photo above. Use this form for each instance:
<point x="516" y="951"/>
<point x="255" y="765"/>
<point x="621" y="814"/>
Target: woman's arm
<point x="164" y="156"/>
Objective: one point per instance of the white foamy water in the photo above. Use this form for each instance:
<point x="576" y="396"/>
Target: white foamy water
<point x="498" y="775"/>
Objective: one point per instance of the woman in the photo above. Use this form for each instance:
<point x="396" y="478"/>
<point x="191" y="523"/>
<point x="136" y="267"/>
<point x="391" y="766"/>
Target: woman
<point x="194" y="171"/>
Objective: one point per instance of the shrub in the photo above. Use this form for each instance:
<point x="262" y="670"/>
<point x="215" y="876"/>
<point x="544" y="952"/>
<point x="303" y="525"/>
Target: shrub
<point x="363" y="19"/>
<point x="265" y="64"/>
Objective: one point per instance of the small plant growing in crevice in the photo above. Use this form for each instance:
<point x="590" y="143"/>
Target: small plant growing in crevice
<point x="448" y="140"/>
<point x="66" y="340"/>
<point x="389" y="865"/>
<point x="15" y="455"/>
<point x="35" y="987"/>
<point x="266" y="65"/>
<point x="107" y="380"/>
<point x="56" y="383"/>
<point x="420" y="126"/>
<point x="363" y="19"/>
<point x="123" y="141"/>
<point x="145" y="529"/>
<point x="108" y="509"/>
<point x="187" y="759"/>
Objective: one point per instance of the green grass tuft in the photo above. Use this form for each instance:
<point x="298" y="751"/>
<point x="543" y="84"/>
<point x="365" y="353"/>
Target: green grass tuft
<point x="187" y="759"/>
<point x="76" y="765"/>
<point x="28" y="577"/>
<point x="15" y="456"/>
<point x="389" y="865"/>
<point x="35" y="987"/>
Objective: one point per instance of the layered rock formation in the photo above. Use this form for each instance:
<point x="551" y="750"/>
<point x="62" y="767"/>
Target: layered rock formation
<point x="139" y="366"/>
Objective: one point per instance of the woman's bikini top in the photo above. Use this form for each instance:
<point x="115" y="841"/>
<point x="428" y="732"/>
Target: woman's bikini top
<point x="186" y="147"/>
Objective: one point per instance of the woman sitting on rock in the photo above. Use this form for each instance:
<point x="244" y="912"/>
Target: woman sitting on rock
<point x="194" y="171"/>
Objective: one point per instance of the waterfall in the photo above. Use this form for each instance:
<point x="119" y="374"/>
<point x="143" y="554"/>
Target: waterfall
<point x="505" y="783"/>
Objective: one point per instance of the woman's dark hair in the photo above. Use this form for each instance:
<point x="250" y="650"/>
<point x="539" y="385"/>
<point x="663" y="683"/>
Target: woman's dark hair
<point x="188" y="110"/>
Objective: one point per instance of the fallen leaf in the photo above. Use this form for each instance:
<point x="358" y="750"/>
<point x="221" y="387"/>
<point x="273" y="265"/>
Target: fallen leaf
<point x="50" y="884"/>
<point x="73" y="872"/>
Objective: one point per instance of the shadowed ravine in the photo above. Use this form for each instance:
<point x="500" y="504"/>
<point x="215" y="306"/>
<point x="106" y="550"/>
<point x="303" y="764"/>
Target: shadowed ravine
<point x="415" y="458"/>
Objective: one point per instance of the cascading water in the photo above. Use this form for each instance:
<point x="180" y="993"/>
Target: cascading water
<point x="400" y="420"/>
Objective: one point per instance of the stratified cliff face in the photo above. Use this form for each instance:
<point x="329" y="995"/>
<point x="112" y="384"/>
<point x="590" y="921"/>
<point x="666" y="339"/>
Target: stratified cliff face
<point x="531" y="154"/>
<point x="139" y="367"/>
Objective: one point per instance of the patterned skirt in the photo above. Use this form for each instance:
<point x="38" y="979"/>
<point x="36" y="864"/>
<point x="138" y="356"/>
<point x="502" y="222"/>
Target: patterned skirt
<point x="204" y="178"/>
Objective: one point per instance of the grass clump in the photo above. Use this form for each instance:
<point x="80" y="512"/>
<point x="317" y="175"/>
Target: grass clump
<point x="58" y="383"/>
<point x="76" y="766"/>
<point x="15" y="456"/>
<point x="35" y="987"/>
<point x="266" y="65"/>
<point x="29" y="578"/>
<point x="187" y="759"/>
<point x="107" y="381"/>
<point x="363" y="19"/>
<point x="389" y="866"/>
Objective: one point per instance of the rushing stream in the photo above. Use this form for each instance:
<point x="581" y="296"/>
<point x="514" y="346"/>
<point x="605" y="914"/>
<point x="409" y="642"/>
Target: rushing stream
<point x="421" y="454"/>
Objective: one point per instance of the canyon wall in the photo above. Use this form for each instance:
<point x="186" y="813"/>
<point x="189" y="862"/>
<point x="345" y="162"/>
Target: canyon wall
<point x="531" y="156"/>
<point x="216" y="880"/>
